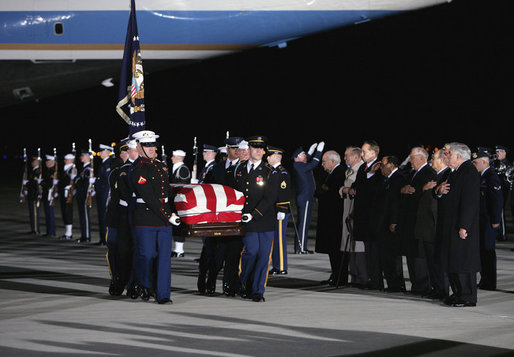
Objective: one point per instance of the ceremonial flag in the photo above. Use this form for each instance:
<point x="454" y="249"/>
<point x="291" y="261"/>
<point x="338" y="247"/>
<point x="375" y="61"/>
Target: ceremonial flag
<point x="208" y="203"/>
<point x="131" y="96"/>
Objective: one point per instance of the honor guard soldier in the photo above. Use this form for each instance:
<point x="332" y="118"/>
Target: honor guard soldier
<point x="34" y="193"/>
<point x="112" y="221"/>
<point x="501" y="165"/>
<point x="180" y="174"/>
<point x="304" y="164"/>
<point x="152" y="218"/>
<point x="66" y="179"/>
<point x="259" y="183"/>
<point x="47" y="186"/>
<point x="491" y="206"/>
<point x="232" y="244"/>
<point x="208" y="266"/>
<point x="83" y="183"/>
<point x="102" y="188"/>
<point x="279" y="256"/>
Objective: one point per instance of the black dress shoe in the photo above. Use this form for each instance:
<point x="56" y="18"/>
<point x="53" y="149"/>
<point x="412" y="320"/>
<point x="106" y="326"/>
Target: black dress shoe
<point x="462" y="303"/>
<point x="258" y="298"/>
<point x="165" y="301"/>
<point x="273" y="271"/>
<point x="145" y="294"/>
<point x="177" y="255"/>
<point x="133" y="291"/>
<point x="282" y="272"/>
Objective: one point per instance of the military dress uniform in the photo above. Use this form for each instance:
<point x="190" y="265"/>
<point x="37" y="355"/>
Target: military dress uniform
<point x="279" y="256"/>
<point x="259" y="183"/>
<point x="112" y="222"/>
<point x="491" y="207"/>
<point x="46" y="186"/>
<point x="180" y="174"/>
<point x="33" y="197"/>
<point x="305" y="189"/>
<point x="64" y="186"/>
<point x="152" y="219"/>
<point x="102" y="189"/>
<point x="82" y="184"/>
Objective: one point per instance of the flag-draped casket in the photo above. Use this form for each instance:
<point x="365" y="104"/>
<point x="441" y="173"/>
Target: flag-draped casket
<point x="209" y="209"/>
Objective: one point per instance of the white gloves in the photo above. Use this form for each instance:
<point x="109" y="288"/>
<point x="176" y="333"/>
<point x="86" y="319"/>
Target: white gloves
<point x="321" y="146"/>
<point x="194" y="180"/>
<point x="312" y="148"/>
<point x="281" y="216"/>
<point x="92" y="180"/>
<point x="174" y="219"/>
<point x="246" y="217"/>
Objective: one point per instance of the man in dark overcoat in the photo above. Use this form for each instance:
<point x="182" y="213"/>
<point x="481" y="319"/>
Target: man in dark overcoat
<point x="330" y="213"/>
<point x="458" y="222"/>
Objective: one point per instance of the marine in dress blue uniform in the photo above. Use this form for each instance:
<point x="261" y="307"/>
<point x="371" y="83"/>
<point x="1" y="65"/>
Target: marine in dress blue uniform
<point x="180" y="174"/>
<point x="491" y="206"/>
<point x="102" y="189"/>
<point x="303" y="166"/>
<point x="279" y="256"/>
<point x="259" y="183"/>
<point x="152" y="218"/>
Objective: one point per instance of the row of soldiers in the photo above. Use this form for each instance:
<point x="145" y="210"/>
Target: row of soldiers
<point x="137" y="212"/>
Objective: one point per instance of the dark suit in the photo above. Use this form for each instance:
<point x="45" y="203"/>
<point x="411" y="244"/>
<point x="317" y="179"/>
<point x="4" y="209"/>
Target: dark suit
<point x="330" y="219"/>
<point x="491" y="207"/>
<point x="102" y="190"/>
<point x="364" y="228"/>
<point x="387" y="213"/>
<point x="413" y="249"/>
<point x="459" y="208"/>
<point x="425" y="231"/>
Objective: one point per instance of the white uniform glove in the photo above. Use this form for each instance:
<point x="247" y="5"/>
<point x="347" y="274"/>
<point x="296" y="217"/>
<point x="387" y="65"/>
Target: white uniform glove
<point x="311" y="149"/>
<point x="321" y="146"/>
<point x="281" y="216"/>
<point x="174" y="219"/>
<point x="247" y="217"/>
<point x="194" y="180"/>
<point x="92" y="180"/>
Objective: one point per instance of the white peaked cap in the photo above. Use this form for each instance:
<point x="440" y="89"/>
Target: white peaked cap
<point x="243" y="144"/>
<point x="105" y="147"/>
<point x="179" y="153"/>
<point x="145" y="136"/>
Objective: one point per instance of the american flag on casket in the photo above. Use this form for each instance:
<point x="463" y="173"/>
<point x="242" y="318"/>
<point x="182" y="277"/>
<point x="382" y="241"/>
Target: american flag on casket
<point x="208" y="203"/>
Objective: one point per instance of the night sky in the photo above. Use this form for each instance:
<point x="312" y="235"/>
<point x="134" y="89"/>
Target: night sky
<point x="425" y="78"/>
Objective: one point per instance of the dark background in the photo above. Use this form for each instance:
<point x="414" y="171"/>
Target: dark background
<point x="423" y="78"/>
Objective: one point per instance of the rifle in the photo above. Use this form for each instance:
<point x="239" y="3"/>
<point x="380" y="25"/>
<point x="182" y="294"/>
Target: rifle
<point x="53" y="192"/>
<point x="164" y="158"/>
<point x="69" y="199"/>
<point x="39" y="188"/>
<point x="90" y="189"/>
<point x="195" y="161"/>
<point x="23" y="190"/>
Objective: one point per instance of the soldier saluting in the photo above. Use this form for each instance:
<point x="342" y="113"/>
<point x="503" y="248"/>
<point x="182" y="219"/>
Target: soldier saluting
<point x="152" y="219"/>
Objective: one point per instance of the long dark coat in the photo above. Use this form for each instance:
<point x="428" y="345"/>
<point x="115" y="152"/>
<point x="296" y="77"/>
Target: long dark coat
<point x="364" y="204"/>
<point x="491" y="206"/>
<point x="410" y="202"/>
<point x="459" y="208"/>
<point x="426" y="218"/>
<point x="330" y="213"/>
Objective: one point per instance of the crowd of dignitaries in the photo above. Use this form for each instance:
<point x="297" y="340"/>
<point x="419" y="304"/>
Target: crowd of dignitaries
<point x="442" y="212"/>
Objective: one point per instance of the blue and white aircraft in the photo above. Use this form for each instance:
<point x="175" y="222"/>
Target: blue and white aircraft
<point x="42" y="39"/>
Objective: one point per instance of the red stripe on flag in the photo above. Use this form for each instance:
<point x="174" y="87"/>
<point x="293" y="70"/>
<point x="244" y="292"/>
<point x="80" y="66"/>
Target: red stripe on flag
<point x="212" y="217"/>
<point x="210" y="195"/>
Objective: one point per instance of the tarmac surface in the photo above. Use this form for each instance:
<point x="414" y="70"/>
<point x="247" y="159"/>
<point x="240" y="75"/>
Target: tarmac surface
<point x="54" y="301"/>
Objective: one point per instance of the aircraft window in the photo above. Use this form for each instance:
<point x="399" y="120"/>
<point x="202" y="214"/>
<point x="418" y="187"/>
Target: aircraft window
<point x="58" y="28"/>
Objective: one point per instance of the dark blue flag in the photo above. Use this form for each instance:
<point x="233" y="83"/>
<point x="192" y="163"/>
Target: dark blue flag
<point x="131" y="96"/>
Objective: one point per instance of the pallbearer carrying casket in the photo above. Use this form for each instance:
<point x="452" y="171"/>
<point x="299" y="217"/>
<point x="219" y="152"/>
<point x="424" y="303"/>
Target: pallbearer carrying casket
<point x="259" y="183"/>
<point x="152" y="219"/>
